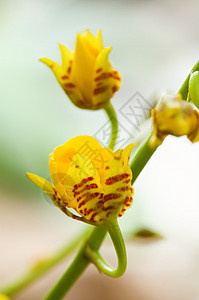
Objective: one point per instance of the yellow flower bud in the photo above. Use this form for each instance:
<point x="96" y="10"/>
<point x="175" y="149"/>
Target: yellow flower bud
<point x="94" y="181"/>
<point x="174" y="116"/>
<point x="86" y="75"/>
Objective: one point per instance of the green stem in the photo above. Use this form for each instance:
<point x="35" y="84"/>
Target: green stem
<point x="118" y="241"/>
<point x="77" y="267"/>
<point x="114" y="123"/>
<point x="44" y="266"/>
<point x="140" y="159"/>
<point x="185" y="86"/>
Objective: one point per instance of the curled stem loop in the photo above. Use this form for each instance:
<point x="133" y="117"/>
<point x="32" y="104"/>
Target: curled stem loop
<point x="94" y="256"/>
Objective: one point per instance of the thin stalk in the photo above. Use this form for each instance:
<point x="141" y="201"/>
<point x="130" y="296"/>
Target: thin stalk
<point x="114" y="124"/>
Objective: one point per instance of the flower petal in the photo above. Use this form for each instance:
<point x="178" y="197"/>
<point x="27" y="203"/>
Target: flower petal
<point x="67" y="57"/>
<point x="99" y="38"/>
<point x="94" y="44"/>
<point x="83" y="69"/>
<point x="63" y="157"/>
<point x="45" y="185"/>
<point x="117" y="183"/>
<point x="63" y="76"/>
<point x="84" y="182"/>
<point x="105" y="80"/>
<point x="55" y="67"/>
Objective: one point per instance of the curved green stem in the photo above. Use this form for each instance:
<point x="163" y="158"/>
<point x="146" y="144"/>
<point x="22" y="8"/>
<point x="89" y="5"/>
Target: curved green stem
<point x="118" y="241"/>
<point x="114" y="123"/>
<point x="43" y="266"/>
<point x="77" y="267"/>
<point x="185" y="86"/>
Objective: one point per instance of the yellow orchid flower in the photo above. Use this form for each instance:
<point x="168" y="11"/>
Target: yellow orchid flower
<point x="94" y="181"/>
<point x="4" y="297"/>
<point x="86" y="75"/>
<point x="174" y="116"/>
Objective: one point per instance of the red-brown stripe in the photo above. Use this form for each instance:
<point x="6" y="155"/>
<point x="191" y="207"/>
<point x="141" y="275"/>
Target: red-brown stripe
<point x="123" y="189"/>
<point x="127" y="181"/>
<point x="89" y="196"/>
<point x="102" y="76"/>
<point x="69" y="85"/>
<point x="111" y="196"/>
<point x="98" y="70"/>
<point x="93" y="216"/>
<point x="114" y="88"/>
<point x="64" y="77"/>
<point x="87" y="187"/>
<point x="116" y="178"/>
<point x="100" y="90"/>
<point x="85" y="180"/>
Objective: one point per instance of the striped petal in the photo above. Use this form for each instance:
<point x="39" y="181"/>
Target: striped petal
<point x="117" y="183"/>
<point x="106" y="81"/>
<point x="63" y="76"/>
<point x="86" y="188"/>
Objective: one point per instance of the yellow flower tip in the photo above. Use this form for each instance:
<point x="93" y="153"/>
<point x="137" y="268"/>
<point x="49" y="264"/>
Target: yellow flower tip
<point x="40" y="182"/>
<point x="99" y="37"/>
<point x="4" y="297"/>
<point x="174" y="116"/>
<point x="86" y="75"/>
<point x="44" y="185"/>
<point x="50" y="63"/>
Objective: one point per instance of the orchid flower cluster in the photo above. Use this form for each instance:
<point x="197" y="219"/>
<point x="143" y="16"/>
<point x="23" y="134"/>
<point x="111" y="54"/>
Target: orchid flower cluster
<point x="96" y="193"/>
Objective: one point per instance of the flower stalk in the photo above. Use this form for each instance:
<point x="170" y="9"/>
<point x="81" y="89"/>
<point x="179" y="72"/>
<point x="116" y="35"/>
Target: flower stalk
<point x="109" y="109"/>
<point x="118" y="242"/>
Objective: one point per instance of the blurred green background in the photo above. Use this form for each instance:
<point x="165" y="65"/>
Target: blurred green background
<point x="155" y="44"/>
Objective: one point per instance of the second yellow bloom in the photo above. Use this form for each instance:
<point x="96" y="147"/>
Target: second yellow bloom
<point x="86" y="75"/>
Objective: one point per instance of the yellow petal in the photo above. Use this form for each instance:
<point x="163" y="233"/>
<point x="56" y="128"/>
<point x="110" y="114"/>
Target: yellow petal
<point x="43" y="184"/>
<point x="84" y="181"/>
<point x="94" y="44"/>
<point x="62" y="158"/>
<point x="105" y="80"/>
<point x="83" y="69"/>
<point x="55" y="67"/>
<point x="67" y="57"/>
<point x="63" y="76"/>
<point x="50" y="190"/>
<point x="127" y="152"/>
<point x="116" y="81"/>
<point x="59" y="176"/>
<point x="99" y="38"/>
<point x="117" y="183"/>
